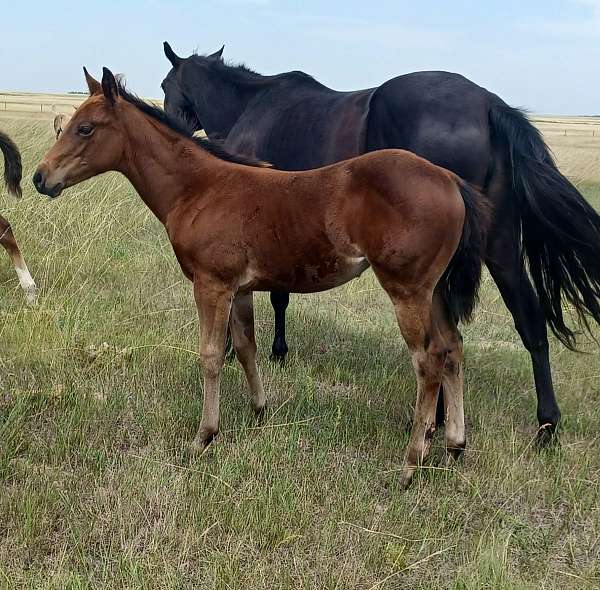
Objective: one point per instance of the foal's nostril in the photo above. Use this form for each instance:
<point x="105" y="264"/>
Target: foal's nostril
<point x="38" y="179"/>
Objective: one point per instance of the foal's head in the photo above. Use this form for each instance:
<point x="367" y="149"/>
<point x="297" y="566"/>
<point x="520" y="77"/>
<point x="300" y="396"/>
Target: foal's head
<point x="92" y="143"/>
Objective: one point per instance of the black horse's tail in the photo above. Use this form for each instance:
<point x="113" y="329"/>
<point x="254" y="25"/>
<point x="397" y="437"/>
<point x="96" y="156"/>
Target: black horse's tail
<point x="559" y="230"/>
<point x="460" y="281"/>
<point x="13" y="168"/>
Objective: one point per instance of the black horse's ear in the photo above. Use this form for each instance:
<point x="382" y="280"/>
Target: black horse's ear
<point x="109" y="86"/>
<point x="93" y="85"/>
<point x="217" y="54"/>
<point x="171" y="55"/>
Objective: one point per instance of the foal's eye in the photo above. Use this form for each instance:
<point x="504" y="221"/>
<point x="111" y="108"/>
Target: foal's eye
<point x="85" y="129"/>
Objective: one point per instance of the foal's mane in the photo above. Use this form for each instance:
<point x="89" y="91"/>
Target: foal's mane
<point x="184" y="127"/>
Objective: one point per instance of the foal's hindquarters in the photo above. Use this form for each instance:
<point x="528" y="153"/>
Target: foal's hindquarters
<point x="407" y="224"/>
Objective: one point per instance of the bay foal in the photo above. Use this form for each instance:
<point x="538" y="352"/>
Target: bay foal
<point x="238" y="228"/>
<point x="12" y="178"/>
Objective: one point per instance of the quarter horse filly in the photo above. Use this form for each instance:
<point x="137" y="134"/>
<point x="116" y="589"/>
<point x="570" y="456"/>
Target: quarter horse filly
<point x="296" y="123"/>
<point x="237" y="226"/>
<point x="12" y="179"/>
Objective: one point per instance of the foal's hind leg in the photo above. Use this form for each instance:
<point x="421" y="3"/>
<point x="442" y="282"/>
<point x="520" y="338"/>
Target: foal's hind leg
<point x="452" y="378"/>
<point x="7" y="239"/>
<point x="244" y="344"/>
<point x="428" y="354"/>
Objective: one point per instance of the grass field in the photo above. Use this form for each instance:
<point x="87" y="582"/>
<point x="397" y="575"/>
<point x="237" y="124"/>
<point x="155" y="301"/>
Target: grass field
<point x="100" y="393"/>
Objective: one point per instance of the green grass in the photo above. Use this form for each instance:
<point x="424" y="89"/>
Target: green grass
<point x="100" y="393"/>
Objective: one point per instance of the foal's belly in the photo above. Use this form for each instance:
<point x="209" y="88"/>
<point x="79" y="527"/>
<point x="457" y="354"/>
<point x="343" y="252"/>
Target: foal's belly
<point x="305" y="277"/>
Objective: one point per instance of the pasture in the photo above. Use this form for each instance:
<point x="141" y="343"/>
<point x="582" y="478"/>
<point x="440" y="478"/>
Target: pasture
<point x="100" y="393"/>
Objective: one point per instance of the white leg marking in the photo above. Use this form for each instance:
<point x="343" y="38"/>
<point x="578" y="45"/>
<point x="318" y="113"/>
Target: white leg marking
<point x="27" y="283"/>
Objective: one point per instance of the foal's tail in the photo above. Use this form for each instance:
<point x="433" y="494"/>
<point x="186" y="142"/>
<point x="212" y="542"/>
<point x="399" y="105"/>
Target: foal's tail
<point x="460" y="281"/>
<point x="12" y="165"/>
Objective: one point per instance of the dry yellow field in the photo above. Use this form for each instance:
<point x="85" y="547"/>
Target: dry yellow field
<point x="31" y="105"/>
<point x="575" y="142"/>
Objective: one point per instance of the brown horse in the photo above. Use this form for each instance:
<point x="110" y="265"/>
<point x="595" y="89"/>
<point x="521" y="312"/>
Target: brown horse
<point x="12" y="179"/>
<point x="237" y="226"/>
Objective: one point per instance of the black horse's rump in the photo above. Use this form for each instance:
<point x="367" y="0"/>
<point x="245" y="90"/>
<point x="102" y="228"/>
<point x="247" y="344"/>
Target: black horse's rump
<point x="13" y="168"/>
<point x="539" y="217"/>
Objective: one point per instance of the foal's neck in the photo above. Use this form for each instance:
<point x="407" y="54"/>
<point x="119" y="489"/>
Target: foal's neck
<point x="163" y="166"/>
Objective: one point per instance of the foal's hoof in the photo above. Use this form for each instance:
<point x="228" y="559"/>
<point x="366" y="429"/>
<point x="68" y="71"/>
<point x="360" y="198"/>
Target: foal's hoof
<point x="546" y="435"/>
<point x="406" y="477"/>
<point x="454" y="451"/>
<point x="31" y="295"/>
<point x="259" y="410"/>
<point x="201" y="442"/>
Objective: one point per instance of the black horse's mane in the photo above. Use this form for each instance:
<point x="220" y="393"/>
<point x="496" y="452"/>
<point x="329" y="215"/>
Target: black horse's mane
<point x="241" y="74"/>
<point x="185" y="128"/>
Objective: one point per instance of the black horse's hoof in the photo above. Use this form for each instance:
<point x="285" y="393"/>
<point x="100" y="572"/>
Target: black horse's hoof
<point x="278" y="357"/>
<point x="546" y="436"/>
<point x="279" y="351"/>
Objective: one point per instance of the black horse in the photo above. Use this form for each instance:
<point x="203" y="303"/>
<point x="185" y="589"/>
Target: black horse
<point x="540" y="219"/>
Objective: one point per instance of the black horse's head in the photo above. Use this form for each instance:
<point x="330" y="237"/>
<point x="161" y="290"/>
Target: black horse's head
<point x="189" y="86"/>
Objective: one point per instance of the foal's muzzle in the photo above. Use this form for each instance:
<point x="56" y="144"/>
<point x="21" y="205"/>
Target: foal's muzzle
<point x="40" y="182"/>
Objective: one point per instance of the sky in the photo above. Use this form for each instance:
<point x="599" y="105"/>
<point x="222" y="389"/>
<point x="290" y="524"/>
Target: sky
<point x="542" y="55"/>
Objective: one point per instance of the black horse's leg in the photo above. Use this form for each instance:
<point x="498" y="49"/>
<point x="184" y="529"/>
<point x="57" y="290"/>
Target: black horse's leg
<point x="279" y="301"/>
<point x="504" y="263"/>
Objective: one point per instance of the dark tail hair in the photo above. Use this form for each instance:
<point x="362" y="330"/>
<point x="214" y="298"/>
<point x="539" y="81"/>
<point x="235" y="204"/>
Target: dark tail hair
<point x="560" y="231"/>
<point x="13" y="168"/>
<point x="460" y="282"/>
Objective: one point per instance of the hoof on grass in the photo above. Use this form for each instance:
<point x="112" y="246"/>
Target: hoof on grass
<point x="546" y="436"/>
<point x="201" y="442"/>
<point x="454" y="452"/>
<point x="406" y="477"/>
<point x="278" y="358"/>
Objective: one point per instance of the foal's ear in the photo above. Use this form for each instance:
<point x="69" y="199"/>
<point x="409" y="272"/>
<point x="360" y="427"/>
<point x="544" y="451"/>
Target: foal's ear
<point x="93" y="85"/>
<point x="217" y="54"/>
<point x="171" y="55"/>
<point x="109" y="86"/>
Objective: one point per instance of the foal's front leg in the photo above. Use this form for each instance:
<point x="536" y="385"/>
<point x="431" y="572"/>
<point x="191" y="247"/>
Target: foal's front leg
<point x="213" y="301"/>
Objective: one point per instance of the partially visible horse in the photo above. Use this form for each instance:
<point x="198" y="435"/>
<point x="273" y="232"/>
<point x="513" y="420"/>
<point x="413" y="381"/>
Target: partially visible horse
<point x="60" y="122"/>
<point x="541" y="222"/>
<point x="238" y="227"/>
<point x="12" y="178"/>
